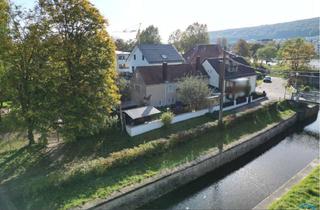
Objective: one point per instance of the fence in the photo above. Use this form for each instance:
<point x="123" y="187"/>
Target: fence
<point x="149" y="126"/>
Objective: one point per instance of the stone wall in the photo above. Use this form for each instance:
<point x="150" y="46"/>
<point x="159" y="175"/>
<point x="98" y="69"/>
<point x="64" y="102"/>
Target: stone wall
<point x="150" y="189"/>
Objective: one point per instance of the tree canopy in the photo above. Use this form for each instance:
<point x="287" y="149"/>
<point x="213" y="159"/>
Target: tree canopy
<point x="62" y="68"/>
<point x="242" y="48"/>
<point x="150" y="35"/>
<point x="193" y="91"/>
<point x="126" y="46"/>
<point x="267" y="53"/>
<point x="195" y="33"/>
<point x="296" y="52"/>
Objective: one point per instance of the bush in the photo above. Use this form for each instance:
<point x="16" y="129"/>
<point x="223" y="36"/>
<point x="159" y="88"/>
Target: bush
<point x="306" y="89"/>
<point x="166" y="118"/>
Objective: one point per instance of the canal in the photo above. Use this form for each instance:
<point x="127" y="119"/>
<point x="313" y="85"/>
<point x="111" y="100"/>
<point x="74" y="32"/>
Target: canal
<point x="246" y="182"/>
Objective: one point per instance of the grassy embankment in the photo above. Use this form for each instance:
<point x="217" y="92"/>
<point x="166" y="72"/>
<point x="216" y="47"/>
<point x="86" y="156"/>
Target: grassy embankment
<point x="304" y="195"/>
<point x="75" y="173"/>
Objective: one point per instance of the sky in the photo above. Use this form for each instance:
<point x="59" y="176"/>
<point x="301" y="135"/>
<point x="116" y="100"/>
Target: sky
<point x="169" y="15"/>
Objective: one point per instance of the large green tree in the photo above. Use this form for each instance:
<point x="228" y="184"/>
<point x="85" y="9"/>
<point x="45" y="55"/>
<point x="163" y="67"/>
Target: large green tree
<point x="83" y="55"/>
<point x="242" y="48"/>
<point x="267" y="53"/>
<point x="193" y="91"/>
<point x="195" y="33"/>
<point x="296" y="53"/>
<point x="150" y="35"/>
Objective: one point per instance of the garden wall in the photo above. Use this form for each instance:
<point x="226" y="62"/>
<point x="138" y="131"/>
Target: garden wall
<point x="149" y="126"/>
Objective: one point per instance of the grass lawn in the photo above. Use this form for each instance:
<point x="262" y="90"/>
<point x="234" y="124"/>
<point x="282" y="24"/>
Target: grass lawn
<point x="302" y="195"/>
<point x="23" y="171"/>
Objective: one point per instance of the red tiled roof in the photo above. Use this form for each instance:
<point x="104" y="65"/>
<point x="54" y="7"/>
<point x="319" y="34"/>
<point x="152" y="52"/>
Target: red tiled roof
<point x="204" y="51"/>
<point x="153" y="74"/>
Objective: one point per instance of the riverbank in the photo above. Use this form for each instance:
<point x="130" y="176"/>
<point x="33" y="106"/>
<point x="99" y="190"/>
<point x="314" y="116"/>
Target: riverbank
<point x="78" y="187"/>
<point x="301" y="188"/>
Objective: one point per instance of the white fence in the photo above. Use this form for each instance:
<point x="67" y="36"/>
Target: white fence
<point x="149" y="126"/>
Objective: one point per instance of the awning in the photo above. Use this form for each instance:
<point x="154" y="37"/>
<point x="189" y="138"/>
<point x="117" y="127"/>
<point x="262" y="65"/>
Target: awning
<point x="141" y="112"/>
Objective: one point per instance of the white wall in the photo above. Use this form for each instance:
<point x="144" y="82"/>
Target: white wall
<point x="138" y="62"/>
<point x="252" y="81"/>
<point x="213" y="75"/>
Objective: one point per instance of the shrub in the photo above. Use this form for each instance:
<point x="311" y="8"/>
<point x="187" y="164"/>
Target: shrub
<point x="166" y="118"/>
<point x="306" y="89"/>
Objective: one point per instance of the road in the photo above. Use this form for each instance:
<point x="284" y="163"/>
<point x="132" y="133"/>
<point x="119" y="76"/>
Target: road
<point x="275" y="89"/>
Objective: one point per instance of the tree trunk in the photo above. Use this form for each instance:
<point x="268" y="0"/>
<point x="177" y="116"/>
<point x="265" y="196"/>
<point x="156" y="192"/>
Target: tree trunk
<point x="1" y="105"/>
<point x="30" y="134"/>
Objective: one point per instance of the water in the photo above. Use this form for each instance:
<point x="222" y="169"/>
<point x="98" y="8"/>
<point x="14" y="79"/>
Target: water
<point x="246" y="182"/>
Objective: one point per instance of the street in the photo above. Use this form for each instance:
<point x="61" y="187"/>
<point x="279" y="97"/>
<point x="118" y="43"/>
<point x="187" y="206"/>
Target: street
<point x="275" y="90"/>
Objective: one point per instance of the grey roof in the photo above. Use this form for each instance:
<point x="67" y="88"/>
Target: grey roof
<point x="141" y="112"/>
<point x="242" y="70"/>
<point x="159" y="53"/>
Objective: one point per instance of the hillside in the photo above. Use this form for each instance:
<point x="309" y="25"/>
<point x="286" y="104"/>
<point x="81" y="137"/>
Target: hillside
<point x="299" y="28"/>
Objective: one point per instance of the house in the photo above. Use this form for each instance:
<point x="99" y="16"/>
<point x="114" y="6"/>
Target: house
<point x="157" y="85"/>
<point x="240" y="79"/>
<point x="122" y="65"/>
<point x="205" y="51"/>
<point x="152" y="55"/>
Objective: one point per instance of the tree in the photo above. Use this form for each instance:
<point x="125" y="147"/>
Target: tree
<point x="27" y="75"/>
<point x="175" y="39"/>
<point x="126" y="46"/>
<point x="242" y="48"/>
<point x="193" y="35"/>
<point x="222" y="41"/>
<point x="83" y="56"/>
<point x="254" y="48"/>
<point x="150" y="35"/>
<point x="4" y="40"/>
<point x="193" y="91"/>
<point x="297" y="53"/>
<point x="267" y="53"/>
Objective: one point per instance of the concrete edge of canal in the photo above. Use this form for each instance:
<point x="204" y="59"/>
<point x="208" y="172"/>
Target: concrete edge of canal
<point x="276" y="195"/>
<point x="169" y="180"/>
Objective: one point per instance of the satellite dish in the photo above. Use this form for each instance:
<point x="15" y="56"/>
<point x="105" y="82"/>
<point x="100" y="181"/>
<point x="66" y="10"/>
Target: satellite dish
<point x="164" y="56"/>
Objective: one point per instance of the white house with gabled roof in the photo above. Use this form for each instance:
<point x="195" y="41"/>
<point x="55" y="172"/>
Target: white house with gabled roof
<point x="152" y="55"/>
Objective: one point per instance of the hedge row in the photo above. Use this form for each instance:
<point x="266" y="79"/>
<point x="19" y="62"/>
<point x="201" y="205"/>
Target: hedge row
<point x="124" y="157"/>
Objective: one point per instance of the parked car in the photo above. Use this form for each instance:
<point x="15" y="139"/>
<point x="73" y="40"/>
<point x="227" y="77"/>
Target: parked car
<point x="267" y="79"/>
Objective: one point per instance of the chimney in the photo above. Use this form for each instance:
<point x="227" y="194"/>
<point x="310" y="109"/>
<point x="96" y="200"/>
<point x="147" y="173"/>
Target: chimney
<point x="198" y="63"/>
<point x="165" y="71"/>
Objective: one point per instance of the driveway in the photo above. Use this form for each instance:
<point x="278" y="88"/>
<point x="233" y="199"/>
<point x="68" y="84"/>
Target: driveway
<point x="275" y="90"/>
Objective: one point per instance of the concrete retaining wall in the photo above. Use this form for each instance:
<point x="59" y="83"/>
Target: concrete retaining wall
<point x="161" y="184"/>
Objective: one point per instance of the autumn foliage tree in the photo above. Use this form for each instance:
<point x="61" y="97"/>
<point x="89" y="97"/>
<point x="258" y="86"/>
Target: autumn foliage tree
<point x="84" y="59"/>
<point x="296" y="53"/>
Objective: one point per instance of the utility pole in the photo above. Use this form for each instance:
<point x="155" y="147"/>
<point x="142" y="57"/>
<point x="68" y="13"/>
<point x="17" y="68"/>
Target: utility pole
<point x="221" y="84"/>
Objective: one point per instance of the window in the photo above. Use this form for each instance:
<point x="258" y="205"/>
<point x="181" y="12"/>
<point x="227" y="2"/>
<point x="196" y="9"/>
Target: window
<point x="132" y="67"/>
<point x="121" y="57"/>
<point x="143" y="57"/>
<point x="134" y="57"/>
